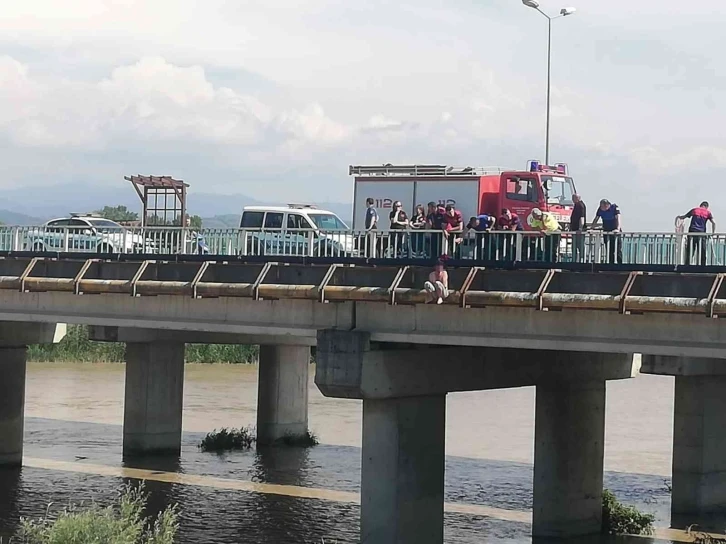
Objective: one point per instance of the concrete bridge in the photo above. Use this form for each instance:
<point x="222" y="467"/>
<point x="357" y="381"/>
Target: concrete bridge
<point x="565" y="332"/>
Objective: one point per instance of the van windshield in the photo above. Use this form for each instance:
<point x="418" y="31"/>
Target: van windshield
<point x="327" y="221"/>
<point x="561" y="190"/>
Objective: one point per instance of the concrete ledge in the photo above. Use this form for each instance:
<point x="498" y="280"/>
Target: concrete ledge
<point x="101" y="333"/>
<point x="18" y="334"/>
<point x="347" y="367"/>
<point x="682" y="366"/>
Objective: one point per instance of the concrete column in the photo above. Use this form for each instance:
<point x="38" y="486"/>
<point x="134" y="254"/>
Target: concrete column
<point x="402" y="483"/>
<point x="699" y="446"/>
<point x="12" y="405"/>
<point x="282" y="392"/>
<point x="154" y="398"/>
<point x="568" y="458"/>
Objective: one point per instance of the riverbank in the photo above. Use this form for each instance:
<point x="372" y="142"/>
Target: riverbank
<point x="77" y="348"/>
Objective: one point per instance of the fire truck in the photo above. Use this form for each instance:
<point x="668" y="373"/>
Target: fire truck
<point x="473" y="191"/>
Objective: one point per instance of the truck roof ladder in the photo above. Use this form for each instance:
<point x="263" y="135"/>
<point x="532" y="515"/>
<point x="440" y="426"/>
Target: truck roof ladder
<point x="421" y="170"/>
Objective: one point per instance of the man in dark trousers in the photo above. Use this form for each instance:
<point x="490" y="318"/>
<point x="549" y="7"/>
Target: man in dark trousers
<point x="610" y="215"/>
<point x="577" y="226"/>
<point x="697" y="239"/>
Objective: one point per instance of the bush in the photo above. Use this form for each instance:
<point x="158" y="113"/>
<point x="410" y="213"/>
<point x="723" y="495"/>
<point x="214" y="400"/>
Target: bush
<point x="122" y="523"/>
<point x="77" y="348"/>
<point x="618" y="519"/>
<point x="228" y="439"/>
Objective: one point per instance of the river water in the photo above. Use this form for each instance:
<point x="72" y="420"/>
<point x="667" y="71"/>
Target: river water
<point x="74" y="414"/>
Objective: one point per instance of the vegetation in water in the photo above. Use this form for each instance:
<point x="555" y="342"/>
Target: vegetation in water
<point x="244" y="438"/>
<point x="228" y="439"/>
<point x="121" y="523"/>
<point x="76" y="347"/>
<point x="618" y="519"/>
<point x="307" y="440"/>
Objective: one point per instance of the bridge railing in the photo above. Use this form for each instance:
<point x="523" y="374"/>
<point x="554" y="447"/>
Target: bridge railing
<point x="587" y="247"/>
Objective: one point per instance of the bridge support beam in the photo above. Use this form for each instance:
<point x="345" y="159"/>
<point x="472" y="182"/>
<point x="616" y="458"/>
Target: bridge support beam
<point x="282" y="392"/>
<point x="153" y="398"/>
<point x="404" y="391"/>
<point x="568" y="459"/>
<point x="699" y="442"/>
<point x="12" y="405"/>
<point x="14" y="339"/>
<point x="402" y="470"/>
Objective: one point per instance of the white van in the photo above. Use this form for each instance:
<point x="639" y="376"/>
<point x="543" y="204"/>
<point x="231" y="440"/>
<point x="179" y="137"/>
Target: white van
<point x="296" y="230"/>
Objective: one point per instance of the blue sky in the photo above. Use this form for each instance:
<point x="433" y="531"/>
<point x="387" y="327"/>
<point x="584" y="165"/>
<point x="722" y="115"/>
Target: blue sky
<point x="275" y="99"/>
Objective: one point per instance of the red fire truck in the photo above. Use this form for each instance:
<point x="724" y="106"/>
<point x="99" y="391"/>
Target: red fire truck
<point x="474" y="191"/>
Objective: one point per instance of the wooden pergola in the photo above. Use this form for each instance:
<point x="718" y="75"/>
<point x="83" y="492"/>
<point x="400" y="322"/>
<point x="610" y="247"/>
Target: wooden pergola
<point x="164" y="199"/>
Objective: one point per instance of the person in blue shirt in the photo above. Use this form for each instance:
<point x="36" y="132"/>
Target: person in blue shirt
<point x="482" y="225"/>
<point x="610" y="215"/>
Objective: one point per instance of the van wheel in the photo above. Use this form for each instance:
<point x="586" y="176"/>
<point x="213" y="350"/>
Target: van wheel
<point x="104" y="248"/>
<point x="38" y="247"/>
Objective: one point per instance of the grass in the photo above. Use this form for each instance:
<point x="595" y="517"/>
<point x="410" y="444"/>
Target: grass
<point x="704" y="538"/>
<point x="228" y="440"/>
<point x="618" y="519"/>
<point x="77" y="348"/>
<point x="244" y="438"/>
<point x="121" y="523"/>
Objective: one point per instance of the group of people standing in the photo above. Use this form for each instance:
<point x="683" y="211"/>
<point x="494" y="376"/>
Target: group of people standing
<point x="449" y="220"/>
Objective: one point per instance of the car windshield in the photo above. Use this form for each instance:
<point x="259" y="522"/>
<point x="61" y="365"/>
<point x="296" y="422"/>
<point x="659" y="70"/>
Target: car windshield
<point x="104" y="224"/>
<point x="561" y="190"/>
<point x="327" y="221"/>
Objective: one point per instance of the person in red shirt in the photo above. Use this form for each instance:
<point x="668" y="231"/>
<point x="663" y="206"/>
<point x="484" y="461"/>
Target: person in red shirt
<point x="508" y="222"/>
<point x="697" y="239"/>
<point x="453" y="225"/>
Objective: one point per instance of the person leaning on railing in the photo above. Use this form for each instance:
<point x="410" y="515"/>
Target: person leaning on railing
<point x="453" y="228"/>
<point x="508" y="222"/>
<point x="399" y="223"/>
<point x="699" y="218"/>
<point x="482" y="225"/>
<point x="548" y="226"/>
<point x="610" y="215"/>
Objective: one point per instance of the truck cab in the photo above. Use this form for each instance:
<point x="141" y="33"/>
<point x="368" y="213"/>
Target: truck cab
<point x="473" y="191"/>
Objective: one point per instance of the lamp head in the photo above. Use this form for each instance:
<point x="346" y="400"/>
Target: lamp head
<point x="531" y="3"/>
<point x="567" y="11"/>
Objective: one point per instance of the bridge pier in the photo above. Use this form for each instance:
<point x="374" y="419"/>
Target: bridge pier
<point x="404" y="392"/>
<point x="699" y="441"/>
<point x="568" y="458"/>
<point x="14" y="340"/>
<point x="153" y="399"/>
<point x="282" y="392"/>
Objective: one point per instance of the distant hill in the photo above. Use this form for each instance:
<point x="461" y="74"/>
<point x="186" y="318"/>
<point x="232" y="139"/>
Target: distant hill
<point x="42" y="204"/>
<point x="13" y="218"/>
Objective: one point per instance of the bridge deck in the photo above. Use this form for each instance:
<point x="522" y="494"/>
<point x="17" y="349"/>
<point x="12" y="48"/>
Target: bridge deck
<point x="584" y="287"/>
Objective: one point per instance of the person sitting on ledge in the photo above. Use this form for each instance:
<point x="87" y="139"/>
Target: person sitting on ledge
<point x="437" y="288"/>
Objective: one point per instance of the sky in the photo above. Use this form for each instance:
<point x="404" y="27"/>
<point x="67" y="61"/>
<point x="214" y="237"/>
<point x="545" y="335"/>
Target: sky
<point x="274" y="99"/>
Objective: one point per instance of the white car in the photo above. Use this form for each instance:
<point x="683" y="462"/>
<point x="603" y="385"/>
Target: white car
<point x="296" y="230"/>
<point x="85" y="233"/>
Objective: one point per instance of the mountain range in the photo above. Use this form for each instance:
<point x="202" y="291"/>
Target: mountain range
<point x="38" y="205"/>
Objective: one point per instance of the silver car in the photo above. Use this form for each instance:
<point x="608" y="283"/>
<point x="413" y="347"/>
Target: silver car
<point x="85" y="234"/>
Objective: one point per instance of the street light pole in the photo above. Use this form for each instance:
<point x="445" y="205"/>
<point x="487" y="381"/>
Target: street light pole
<point x="549" y="87"/>
<point x="564" y="12"/>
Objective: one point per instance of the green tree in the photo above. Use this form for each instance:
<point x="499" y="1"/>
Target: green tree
<point x="196" y="222"/>
<point x="118" y="213"/>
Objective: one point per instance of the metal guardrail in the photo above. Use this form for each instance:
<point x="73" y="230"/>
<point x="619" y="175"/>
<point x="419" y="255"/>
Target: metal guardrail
<point x="665" y="249"/>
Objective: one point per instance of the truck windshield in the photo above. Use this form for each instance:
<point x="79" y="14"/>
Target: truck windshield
<point x="325" y="221"/>
<point x="561" y="190"/>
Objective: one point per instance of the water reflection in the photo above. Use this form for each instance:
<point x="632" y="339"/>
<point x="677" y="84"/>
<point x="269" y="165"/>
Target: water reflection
<point x="10" y="483"/>
<point x="160" y="495"/>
